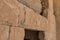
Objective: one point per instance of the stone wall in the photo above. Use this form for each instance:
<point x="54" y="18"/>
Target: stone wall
<point x="16" y="16"/>
<point x="57" y="14"/>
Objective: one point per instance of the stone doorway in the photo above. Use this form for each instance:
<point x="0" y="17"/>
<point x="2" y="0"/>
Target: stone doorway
<point x="34" y="35"/>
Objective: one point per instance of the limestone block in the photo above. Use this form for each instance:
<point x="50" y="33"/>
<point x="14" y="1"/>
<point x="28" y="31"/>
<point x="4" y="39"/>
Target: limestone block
<point x="51" y="30"/>
<point x="57" y="15"/>
<point x="34" y="20"/>
<point x="8" y="14"/>
<point x="16" y="13"/>
<point x="33" y="4"/>
<point x="4" y="32"/>
<point x="17" y="33"/>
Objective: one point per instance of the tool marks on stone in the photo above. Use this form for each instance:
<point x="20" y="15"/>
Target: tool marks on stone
<point x="32" y="4"/>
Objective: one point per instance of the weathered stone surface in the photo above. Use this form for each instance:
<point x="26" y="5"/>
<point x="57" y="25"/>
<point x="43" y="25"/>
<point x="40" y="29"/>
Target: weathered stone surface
<point x="17" y="33"/>
<point x="17" y="13"/>
<point x="51" y="28"/>
<point x="7" y="14"/>
<point x="57" y="14"/>
<point x="14" y="13"/>
<point x="4" y="32"/>
<point x="33" y="20"/>
<point x="33" y="4"/>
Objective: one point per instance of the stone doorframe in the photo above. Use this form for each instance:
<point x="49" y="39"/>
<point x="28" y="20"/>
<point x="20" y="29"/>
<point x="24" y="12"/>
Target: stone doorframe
<point x="49" y="29"/>
<point x="50" y="32"/>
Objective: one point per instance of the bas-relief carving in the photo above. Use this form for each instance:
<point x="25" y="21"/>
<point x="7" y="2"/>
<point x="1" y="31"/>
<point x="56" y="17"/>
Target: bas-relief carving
<point x="39" y="6"/>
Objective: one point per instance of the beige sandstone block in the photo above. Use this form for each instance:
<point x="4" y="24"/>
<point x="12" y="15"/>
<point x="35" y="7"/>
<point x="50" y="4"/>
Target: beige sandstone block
<point x="8" y="14"/>
<point x="51" y="28"/>
<point x="57" y="14"/>
<point x="33" y="4"/>
<point x="4" y="32"/>
<point x="35" y="21"/>
<point x="17" y="33"/>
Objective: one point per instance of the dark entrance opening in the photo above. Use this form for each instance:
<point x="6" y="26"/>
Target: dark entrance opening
<point x="26" y="39"/>
<point x="34" y="35"/>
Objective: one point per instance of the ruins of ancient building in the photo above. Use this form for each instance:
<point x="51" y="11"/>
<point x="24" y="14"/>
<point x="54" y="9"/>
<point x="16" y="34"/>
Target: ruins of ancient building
<point x="27" y="20"/>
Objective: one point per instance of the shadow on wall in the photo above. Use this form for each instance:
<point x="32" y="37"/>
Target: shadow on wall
<point x="34" y="35"/>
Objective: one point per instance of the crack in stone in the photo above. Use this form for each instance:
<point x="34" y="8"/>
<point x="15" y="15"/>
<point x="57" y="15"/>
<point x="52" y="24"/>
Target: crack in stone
<point x="24" y="15"/>
<point x="18" y="19"/>
<point x="9" y="32"/>
<point x="8" y="24"/>
<point x="5" y="23"/>
<point x="22" y="21"/>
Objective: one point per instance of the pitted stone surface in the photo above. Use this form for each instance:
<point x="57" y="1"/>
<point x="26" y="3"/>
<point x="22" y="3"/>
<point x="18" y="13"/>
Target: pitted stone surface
<point x="4" y="32"/>
<point x="16" y="14"/>
<point x="15" y="17"/>
<point x="33" y="4"/>
<point x="17" y="33"/>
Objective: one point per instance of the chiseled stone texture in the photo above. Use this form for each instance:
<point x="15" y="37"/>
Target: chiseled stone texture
<point x="57" y="14"/>
<point x="8" y="14"/>
<point x="35" y="21"/>
<point x="4" y="32"/>
<point x="33" y="4"/>
<point x="17" y="33"/>
<point x="51" y="28"/>
<point x="15" y="13"/>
